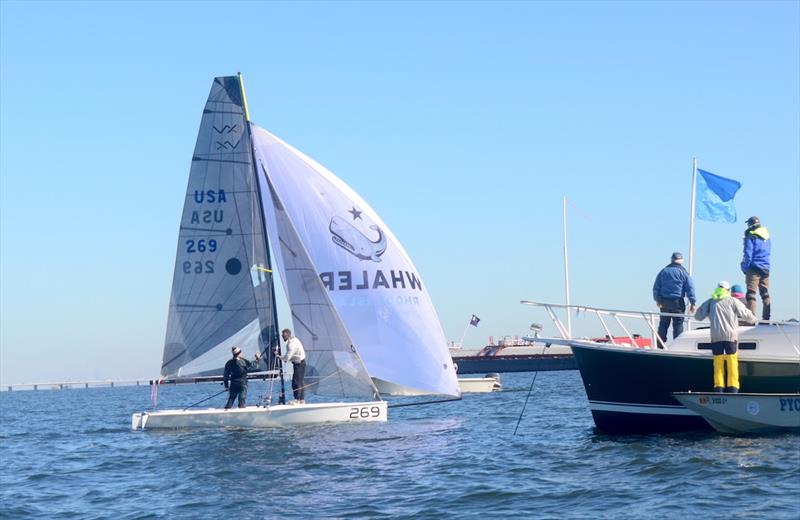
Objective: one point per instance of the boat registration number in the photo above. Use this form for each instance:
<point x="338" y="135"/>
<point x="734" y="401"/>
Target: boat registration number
<point x="364" y="412"/>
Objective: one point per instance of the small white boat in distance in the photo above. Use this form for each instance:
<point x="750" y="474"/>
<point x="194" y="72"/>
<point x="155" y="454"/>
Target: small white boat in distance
<point x="746" y="412"/>
<point x="282" y="415"/>
<point x="473" y="385"/>
<point x="479" y="384"/>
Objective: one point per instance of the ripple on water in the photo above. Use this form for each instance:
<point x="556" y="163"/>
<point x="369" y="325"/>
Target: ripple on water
<point x="457" y="459"/>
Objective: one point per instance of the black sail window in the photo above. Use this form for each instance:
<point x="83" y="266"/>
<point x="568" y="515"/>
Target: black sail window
<point x="745" y="345"/>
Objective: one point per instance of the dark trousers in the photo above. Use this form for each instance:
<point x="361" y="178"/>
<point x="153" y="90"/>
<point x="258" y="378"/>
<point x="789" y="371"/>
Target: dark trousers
<point x="297" y="380"/>
<point x="719" y="348"/>
<point x="237" y="389"/>
<point x="675" y="306"/>
<point x="756" y="278"/>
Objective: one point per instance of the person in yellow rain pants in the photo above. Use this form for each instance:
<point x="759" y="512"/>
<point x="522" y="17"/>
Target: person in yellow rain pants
<point x="724" y="313"/>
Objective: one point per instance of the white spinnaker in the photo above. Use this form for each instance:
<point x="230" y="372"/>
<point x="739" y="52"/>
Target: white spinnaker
<point x="365" y="272"/>
<point x="333" y="366"/>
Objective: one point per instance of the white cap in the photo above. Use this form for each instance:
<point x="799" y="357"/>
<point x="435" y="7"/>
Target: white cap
<point x="725" y="285"/>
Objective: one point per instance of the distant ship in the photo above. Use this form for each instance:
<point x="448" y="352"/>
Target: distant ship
<point x="512" y="354"/>
<point x="526" y="354"/>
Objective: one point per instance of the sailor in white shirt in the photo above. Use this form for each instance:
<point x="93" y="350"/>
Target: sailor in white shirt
<point x="296" y="355"/>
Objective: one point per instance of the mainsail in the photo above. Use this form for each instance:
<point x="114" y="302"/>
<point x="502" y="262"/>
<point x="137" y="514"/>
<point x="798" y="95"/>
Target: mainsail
<point x="335" y="251"/>
<point x="222" y="291"/>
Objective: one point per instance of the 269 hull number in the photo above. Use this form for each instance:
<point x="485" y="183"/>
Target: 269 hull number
<point x="365" y="412"/>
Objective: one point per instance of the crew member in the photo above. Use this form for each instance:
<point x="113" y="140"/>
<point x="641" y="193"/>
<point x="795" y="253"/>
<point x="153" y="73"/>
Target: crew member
<point x="672" y="285"/>
<point x="724" y="313"/>
<point x="236" y="370"/>
<point x="755" y="265"/>
<point x="296" y="355"/>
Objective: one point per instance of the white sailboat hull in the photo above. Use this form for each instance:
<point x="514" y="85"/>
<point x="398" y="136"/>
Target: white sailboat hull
<point x="277" y="416"/>
<point x="745" y="413"/>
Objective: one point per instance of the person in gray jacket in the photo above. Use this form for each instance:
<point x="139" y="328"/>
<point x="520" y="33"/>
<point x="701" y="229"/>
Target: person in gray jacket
<point x="724" y="313"/>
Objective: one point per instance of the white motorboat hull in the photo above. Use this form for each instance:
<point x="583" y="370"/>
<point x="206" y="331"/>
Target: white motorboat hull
<point x="479" y="384"/>
<point x="745" y="413"/>
<point x="465" y="384"/>
<point x="278" y="416"/>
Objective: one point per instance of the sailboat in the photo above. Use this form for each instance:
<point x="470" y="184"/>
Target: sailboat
<point x="357" y="302"/>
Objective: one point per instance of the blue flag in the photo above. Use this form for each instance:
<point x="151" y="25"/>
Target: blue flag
<point x="715" y="197"/>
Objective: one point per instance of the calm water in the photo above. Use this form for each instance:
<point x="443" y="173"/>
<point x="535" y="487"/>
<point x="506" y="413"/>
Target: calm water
<point x="71" y="454"/>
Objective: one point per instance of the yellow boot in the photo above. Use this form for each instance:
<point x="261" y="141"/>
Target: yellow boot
<point x="732" y="360"/>
<point x="719" y="373"/>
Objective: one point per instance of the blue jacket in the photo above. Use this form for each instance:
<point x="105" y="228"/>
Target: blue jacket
<point x="757" y="247"/>
<point x="673" y="282"/>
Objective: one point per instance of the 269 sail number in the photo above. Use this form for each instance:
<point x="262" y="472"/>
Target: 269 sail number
<point x="364" y="412"/>
<point x="206" y="267"/>
<point x="201" y="246"/>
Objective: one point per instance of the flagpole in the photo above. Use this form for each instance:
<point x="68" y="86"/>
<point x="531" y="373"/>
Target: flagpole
<point x="691" y="217"/>
<point x="464" y="335"/>
<point x="566" y="267"/>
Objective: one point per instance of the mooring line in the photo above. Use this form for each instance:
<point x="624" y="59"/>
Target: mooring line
<point x="526" y="402"/>
<point x="425" y="402"/>
<point x="204" y="400"/>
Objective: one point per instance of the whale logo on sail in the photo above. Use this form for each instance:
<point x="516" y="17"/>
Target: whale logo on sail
<point x="346" y="236"/>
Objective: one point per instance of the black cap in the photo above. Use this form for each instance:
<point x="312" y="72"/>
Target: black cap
<point x="752" y="221"/>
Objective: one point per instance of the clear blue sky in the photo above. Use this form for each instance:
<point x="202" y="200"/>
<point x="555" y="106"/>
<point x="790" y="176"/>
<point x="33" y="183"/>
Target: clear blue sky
<point x="463" y="125"/>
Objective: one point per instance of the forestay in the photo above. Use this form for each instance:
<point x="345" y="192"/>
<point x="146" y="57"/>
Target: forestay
<point x="335" y="250"/>
<point x="222" y="293"/>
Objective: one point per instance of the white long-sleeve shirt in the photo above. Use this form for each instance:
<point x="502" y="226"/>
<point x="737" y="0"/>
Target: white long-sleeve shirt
<point x="295" y="352"/>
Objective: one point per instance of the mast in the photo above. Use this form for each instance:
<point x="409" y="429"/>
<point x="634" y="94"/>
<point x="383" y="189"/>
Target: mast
<point x="282" y="396"/>
<point x="566" y="267"/>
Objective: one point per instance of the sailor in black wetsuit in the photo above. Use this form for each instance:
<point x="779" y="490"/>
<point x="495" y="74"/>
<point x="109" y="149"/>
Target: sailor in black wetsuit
<point x="236" y="370"/>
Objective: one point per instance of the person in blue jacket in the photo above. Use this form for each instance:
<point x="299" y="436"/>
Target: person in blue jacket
<point x="755" y="265"/>
<point x="673" y="284"/>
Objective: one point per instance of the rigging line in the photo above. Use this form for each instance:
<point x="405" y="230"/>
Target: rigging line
<point x="425" y="402"/>
<point x="204" y="400"/>
<point x="325" y="378"/>
<point x="529" y="394"/>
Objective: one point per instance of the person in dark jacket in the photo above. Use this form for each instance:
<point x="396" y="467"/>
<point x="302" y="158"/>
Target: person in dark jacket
<point x="235" y="376"/>
<point x="672" y="285"/>
<point x="755" y="265"/>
